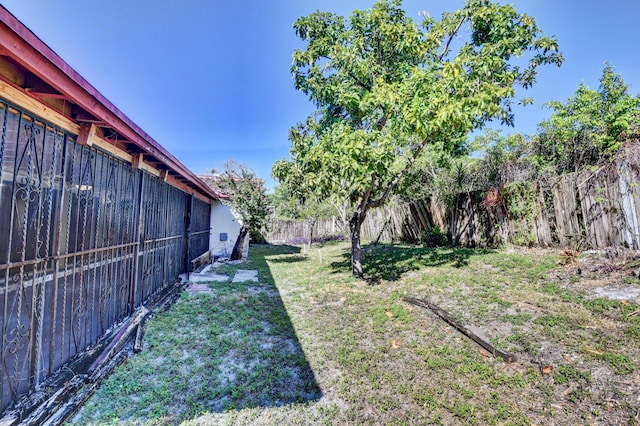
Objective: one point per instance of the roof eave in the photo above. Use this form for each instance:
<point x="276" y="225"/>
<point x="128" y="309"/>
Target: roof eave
<point x="32" y="53"/>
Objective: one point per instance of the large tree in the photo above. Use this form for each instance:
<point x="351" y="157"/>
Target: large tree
<point x="386" y="87"/>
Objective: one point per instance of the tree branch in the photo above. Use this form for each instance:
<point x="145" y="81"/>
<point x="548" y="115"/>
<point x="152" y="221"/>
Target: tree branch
<point x="350" y="74"/>
<point x="396" y="179"/>
<point x="453" y="34"/>
<point x="367" y="194"/>
<point x="359" y="82"/>
<point x="383" y="121"/>
<point x="444" y="315"/>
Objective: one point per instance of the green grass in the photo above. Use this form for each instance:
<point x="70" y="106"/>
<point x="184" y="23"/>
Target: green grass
<point x="312" y="345"/>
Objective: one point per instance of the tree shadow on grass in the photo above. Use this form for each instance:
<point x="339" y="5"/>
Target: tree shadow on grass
<point x="389" y="262"/>
<point x="277" y="249"/>
<point x="230" y="349"/>
<point x="290" y="259"/>
<point x="278" y="253"/>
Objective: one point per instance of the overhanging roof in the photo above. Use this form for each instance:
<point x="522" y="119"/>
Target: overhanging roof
<point x="49" y="79"/>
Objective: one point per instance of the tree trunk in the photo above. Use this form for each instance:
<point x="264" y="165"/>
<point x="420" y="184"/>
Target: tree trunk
<point x="312" y="225"/>
<point x="356" y="248"/>
<point x="236" y="253"/>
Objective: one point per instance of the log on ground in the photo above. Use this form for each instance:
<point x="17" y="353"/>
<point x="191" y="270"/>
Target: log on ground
<point x="461" y="328"/>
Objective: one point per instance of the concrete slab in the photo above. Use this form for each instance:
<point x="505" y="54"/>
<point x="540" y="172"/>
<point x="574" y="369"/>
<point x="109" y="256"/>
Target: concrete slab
<point x="198" y="288"/>
<point x="632" y="294"/>
<point x="243" y="275"/>
<point x="204" y="277"/>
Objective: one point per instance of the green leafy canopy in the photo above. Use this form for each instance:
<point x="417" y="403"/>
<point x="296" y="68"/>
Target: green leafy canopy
<point x="385" y="87"/>
<point x="590" y="126"/>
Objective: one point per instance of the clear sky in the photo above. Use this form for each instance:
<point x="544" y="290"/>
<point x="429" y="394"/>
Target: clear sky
<point x="210" y="80"/>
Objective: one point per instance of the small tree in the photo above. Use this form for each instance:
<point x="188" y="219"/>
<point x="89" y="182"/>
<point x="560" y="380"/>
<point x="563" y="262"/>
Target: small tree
<point x="590" y="126"/>
<point x="386" y="88"/>
<point x="247" y="197"/>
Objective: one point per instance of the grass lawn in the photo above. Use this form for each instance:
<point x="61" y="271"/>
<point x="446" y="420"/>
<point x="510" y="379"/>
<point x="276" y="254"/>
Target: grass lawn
<point x="309" y="344"/>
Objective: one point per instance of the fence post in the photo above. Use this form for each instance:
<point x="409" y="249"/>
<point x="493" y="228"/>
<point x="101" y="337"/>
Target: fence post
<point x="187" y="230"/>
<point x="136" y="251"/>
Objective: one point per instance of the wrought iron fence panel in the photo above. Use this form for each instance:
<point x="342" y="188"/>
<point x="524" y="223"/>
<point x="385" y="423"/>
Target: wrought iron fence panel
<point x="162" y="253"/>
<point x="30" y="166"/>
<point x="200" y="228"/>
<point x="84" y="240"/>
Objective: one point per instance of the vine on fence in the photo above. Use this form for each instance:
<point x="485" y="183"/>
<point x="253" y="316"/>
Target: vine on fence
<point x="521" y="202"/>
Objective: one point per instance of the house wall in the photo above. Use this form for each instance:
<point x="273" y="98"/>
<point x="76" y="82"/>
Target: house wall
<point x="222" y="221"/>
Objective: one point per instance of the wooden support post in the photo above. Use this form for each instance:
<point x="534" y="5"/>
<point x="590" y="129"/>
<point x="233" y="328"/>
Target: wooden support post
<point x="87" y="134"/>
<point x="136" y="160"/>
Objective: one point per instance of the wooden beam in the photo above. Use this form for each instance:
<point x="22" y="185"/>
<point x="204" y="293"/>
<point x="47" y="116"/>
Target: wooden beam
<point x="11" y="72"/>
<point x="79" y="114"/>
<point x="171" y="180"/>
<point x="46" y="95"/>
<point x="87" y="134"/>
<point x="149" y="168"/>
<point x="136" y="160"/>
<point x="32" y="105"/>
<point x="112" y="149"/>
<point x="35" y="85"/>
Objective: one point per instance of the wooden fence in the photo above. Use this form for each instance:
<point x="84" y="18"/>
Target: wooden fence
<point x="389" y="223"/>
<point x="588" y="209"/>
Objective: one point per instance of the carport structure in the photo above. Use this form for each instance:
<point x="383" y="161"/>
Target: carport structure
<point x="96" y="217"/>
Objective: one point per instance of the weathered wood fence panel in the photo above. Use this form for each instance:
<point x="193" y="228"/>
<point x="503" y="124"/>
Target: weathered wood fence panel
<point x="565" y="210"/>
<point x="587" y="210"/>
<point x="542" y="223"/>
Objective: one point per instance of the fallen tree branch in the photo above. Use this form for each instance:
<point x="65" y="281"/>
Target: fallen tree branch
<point x="138" y="343"/>
<point x="633" y="314"/>
<point x="461" y="328"/>
<point x="130" y="326"/>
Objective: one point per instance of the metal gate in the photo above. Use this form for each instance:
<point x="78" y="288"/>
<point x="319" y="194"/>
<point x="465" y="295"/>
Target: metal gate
<point x="84" y="240"/>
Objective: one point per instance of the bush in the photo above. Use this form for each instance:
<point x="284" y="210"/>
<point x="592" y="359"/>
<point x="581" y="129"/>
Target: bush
<point x="434" y="237"/>
<point x="257" y="237"/>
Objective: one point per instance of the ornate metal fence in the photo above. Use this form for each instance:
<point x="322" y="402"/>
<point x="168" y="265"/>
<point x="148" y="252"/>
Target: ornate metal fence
<point x="84" y="240"/>
<point x="200" y="226"/>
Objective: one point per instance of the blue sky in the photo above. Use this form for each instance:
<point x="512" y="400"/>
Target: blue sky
<point x="209" y="79"/>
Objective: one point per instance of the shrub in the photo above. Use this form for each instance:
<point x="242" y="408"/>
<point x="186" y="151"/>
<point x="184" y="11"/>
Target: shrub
<point x="434" y="237"/>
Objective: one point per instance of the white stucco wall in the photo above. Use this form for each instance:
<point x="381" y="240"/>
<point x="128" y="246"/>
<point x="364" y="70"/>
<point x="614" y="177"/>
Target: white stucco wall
<point x="222" y="221"/>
